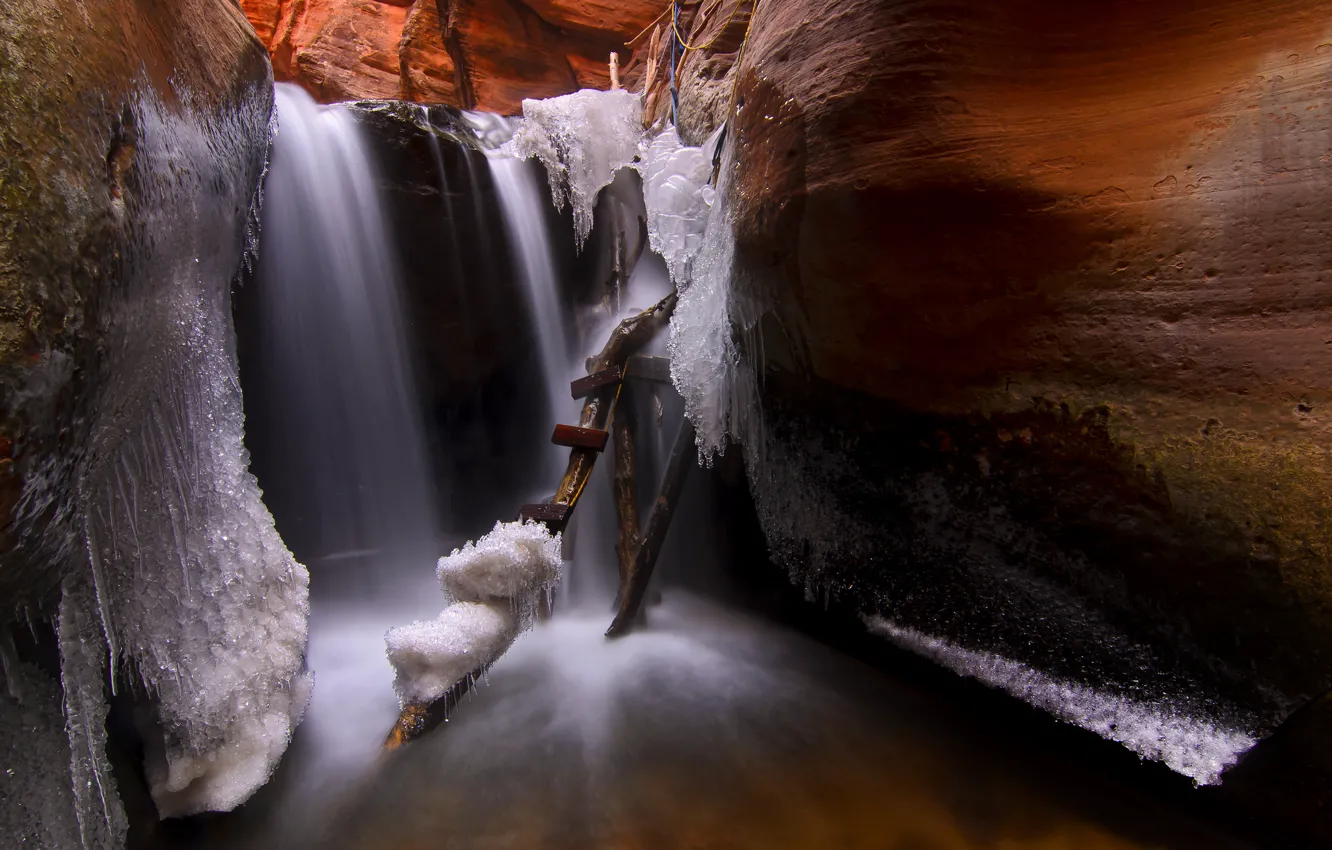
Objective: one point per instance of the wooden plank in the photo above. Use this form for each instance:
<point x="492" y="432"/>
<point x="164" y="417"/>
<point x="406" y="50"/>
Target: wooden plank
<point x="649" y="368"/>
<point x="584" y="387"/>
<point x="556" y="517"/>
<point x="575" y="437"/>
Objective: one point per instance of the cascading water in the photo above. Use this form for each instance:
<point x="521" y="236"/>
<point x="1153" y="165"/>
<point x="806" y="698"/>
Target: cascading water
<point x="525" y="222"/>
<point x="334" y="348"/>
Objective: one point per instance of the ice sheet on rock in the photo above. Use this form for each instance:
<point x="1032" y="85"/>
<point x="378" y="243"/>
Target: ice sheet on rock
<point x="97" y="806"/>
<point x="708" y="367"/>
<point x="430" y="656"/>
<point x="195" y="585"/>
<point x="518" y="561"/>
<point x="582" y="139"/>
<point x="36" y="806"/>
<point x="678" y="197"/>
<point x="1195" y="747"/>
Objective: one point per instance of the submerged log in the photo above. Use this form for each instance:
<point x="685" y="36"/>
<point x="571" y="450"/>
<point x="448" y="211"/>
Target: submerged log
<point x="634" y="588"/>
<point x="626" y="492"/>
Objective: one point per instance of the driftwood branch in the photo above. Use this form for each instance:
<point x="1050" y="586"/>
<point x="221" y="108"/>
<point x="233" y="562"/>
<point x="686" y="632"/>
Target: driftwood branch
<point x="634" y="587"/>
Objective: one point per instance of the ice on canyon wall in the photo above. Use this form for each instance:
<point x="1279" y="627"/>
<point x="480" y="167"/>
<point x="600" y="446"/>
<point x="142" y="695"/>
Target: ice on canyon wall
<point x="1192" y="746"/>
<point x="497" y="583"/>
<point x="36" y="804"/>
<point x="97" y="807"/>
<point x="582" y="139"/>
<point x="199" y="590"/>
<point x="679" y="198"/>
<point x="708" y="367"/>
<point x="196" y="592"/>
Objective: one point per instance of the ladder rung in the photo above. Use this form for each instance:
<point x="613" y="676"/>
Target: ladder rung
<point x="573" y="437"/>
<point x="554" y="516"/>
<point x="584" y="386"/>
<point x="649" y="368"/>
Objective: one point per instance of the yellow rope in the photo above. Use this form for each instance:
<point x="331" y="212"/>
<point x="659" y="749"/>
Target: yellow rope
<point x="689" y="47"/>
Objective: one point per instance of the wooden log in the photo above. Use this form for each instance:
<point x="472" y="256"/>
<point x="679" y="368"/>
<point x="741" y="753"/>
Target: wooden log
<point x="583" y="387"/>
<point x="648" y="368"/>
<point x="625" y="486"/>
<point x="417" y="719"/>
<point x="635" y="586"/>
<point x="574" y="437"/>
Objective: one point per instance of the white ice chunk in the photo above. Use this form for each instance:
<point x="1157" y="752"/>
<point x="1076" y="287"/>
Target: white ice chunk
<point x="225" y="776"/>
<point x="430" y="656"/>
<point x="678" y="197"/>
<point x="582" y="139"/>
<point x="1195" y="747"/>
<point x="515" y="561"/>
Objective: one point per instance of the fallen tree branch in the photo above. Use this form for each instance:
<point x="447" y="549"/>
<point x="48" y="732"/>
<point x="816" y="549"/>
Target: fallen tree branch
<point x="634" y="586"/>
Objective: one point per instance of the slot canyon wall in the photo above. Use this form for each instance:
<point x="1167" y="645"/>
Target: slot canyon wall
<point x="1044" y="295"/>
<point x="474" y="54"/>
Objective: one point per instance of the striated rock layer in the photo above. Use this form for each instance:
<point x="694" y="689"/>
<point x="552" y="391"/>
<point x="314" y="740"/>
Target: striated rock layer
<point x="475" y="54"/>
<point x="1045" y="288"/>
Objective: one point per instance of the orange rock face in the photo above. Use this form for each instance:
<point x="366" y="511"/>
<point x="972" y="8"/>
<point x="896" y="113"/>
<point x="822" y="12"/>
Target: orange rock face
<point x="476" y="54"/>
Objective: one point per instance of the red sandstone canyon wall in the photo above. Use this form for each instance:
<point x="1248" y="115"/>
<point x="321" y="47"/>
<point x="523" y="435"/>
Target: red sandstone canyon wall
<point x="476" y="54"/>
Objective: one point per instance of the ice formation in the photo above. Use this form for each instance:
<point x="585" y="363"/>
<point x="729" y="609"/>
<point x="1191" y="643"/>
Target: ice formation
<point x="97" y="808"/>
<point x="193" y="585"/>
<point x="679" y="198"/>
<point x="430" y="656"/>
<point x="708" y="367"/>
<point x="582" y="139"/>
<point x="516" y="560"/>
<point x="497" y="583"/>
<point x="35" y="790"/>
<point x="1194" y="747"/>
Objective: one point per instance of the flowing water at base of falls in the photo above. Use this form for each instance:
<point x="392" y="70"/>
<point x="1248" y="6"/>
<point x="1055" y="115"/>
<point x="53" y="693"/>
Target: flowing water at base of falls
<point x="712" y="728"/>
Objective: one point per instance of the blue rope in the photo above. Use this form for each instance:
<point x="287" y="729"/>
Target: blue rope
<point x="675" y="44"/>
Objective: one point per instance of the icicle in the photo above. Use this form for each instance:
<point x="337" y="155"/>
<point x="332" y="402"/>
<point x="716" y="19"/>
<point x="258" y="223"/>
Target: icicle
<point x="101" y="589"/>
<point x="583" y="139"/>
<point x="102" y="823"/>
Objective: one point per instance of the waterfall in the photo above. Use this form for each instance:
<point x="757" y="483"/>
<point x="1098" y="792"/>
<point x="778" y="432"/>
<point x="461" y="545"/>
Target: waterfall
<point x="525" y="223"/>
<point x="335" y="353"/>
